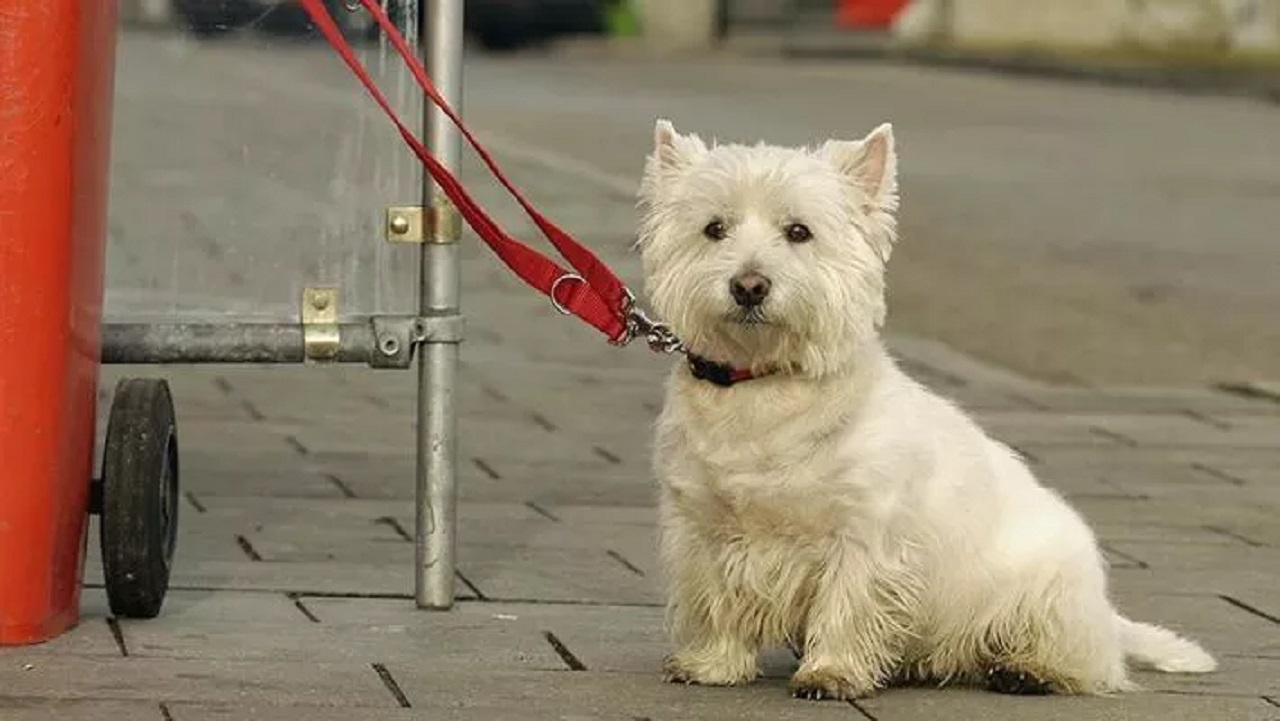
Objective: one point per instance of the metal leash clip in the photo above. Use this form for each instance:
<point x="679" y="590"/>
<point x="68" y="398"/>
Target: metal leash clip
<point x="658" y="335"/>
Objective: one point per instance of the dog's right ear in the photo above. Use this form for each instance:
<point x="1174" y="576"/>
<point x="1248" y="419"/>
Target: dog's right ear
<point x="672" y="150"/>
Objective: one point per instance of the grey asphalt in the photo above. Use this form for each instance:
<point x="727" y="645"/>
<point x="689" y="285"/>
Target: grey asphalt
<point x="1080" y="264"/>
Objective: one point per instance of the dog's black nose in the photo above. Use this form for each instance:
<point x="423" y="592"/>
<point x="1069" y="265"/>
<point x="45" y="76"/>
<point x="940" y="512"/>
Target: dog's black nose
<point x="749" y="289"/>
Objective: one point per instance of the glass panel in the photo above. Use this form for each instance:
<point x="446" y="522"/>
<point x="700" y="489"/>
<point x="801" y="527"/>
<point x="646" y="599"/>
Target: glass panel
<point x="248" y="163"/>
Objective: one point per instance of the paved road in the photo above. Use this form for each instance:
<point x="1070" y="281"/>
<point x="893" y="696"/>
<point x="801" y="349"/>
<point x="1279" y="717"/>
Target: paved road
<point x="1069" y="232"/>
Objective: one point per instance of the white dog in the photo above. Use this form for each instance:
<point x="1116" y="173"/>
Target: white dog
<point x="814" y="495"/>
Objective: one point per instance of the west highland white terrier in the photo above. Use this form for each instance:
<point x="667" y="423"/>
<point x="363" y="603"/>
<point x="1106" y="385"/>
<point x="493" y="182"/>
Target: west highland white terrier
<point x="814" y="495"/>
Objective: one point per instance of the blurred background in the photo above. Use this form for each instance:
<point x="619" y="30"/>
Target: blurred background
<point x="1185" y="32"/>
<point x="1116" y="230"/>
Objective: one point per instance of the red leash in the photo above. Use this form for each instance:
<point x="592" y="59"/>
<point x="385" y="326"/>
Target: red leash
<point x="594" y="293"/>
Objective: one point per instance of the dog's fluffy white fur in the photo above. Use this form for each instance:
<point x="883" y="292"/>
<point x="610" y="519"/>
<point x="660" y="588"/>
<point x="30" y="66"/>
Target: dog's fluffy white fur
<point x="833" y="504"/>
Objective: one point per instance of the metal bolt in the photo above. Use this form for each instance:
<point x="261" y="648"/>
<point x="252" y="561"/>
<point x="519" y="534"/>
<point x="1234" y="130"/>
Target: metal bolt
<point x="390" y="346"/>
<point x="399" y="224"/>
<point x="320" y="301"/>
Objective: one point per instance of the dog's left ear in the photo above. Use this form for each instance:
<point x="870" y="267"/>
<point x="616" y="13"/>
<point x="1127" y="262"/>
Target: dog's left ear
<point x="871" y="164"/>
<point x="671" y="150"/>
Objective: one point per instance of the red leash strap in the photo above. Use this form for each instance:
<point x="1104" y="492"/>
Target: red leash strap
<point x="594" y="294"/>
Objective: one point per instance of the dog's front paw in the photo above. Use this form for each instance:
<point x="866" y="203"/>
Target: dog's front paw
<point x="690" y="669"/>
<point x="823" y="683"/>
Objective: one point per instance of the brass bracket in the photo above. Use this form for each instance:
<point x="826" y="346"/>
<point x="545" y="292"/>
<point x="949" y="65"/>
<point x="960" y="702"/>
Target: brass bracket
<point x="417" y="224"/>
<point x="320" y="336"/>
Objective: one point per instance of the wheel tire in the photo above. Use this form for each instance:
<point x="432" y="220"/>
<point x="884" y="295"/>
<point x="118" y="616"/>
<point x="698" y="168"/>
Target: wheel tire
<point x="139" y="519"/>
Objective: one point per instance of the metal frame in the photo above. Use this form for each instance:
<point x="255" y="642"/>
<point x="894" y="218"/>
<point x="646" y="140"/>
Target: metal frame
<point x="379" y="341"/>
<point x="435" y="539"/>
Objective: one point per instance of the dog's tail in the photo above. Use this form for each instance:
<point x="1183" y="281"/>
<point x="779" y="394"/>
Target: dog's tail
<point x="1161" y="649"/>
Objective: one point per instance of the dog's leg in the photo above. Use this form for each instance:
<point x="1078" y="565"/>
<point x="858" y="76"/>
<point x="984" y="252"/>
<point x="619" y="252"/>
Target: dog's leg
<point x="1057" y="633"/>
<point x="714" y="660"/>
<point x="711" y="624"/>
<point x="854" y="631"/>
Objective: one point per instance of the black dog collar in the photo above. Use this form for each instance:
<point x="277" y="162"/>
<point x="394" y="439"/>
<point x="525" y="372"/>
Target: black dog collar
<point x="721" y="374"/>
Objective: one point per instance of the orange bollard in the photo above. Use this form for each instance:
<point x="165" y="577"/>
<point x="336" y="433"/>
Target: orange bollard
<point x="868" y="14"/>
<point x="56" y="83"/>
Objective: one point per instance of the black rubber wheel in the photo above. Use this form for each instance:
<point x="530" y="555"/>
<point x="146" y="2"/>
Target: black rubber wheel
<point x="139" y="522"/>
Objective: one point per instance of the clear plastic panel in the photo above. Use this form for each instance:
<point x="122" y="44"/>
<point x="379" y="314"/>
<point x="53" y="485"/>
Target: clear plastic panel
<point x="248" y="164"/>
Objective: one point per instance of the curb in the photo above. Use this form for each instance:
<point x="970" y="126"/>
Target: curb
<point x="1260" y="83"/>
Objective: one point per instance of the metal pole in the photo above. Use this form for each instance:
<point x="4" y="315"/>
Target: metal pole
<point x="437" y="496"/>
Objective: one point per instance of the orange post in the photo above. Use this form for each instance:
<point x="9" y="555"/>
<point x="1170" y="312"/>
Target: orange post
<point x="56" y="80"/>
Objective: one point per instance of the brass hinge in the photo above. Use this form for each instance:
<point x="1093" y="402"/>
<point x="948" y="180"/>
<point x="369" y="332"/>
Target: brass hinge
<point x="321" y="339"/>
<point x="417" y="224"/>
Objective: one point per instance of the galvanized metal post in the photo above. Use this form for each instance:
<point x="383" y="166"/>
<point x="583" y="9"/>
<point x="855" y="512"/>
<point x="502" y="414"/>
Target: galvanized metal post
<point x="435" y="537"/>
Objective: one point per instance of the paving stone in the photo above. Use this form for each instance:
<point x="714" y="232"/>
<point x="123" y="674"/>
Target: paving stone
<point x="553" y="574"/>
<point x="1236" y="676"/>
<point x="1077" y="456"/>
<point x="1260" y="473"/>
<point x="282" y="475"/>
<point x="39" y="709"/>
<point x="1040" y="429"/>
<point x="356" y="631"/>
<point x="1253" y="531"/>
<point x="612" y="515"/>
<point x="485" y="479"/>
<point x="1154" y="399"/>
<point x="1158" y="510"/>
<point x="182" y="608"/>
<point x="170" y="680"/>
<point x="1196" y="557"/>
<point x="1188" y="431"/>
<point x="245" y="435"/>
<point x="358" y="513"/>
<point x="312" y="577"/>
<point x="919" y="705"/>
<point x="599" y="695"/>
<point x="1235" y="581"/>
<point x="232" y="712"/>
<point x="1119" y="533"/>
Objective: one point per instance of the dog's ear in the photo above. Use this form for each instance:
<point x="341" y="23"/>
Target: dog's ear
<point x="672" y="150"/>
<point x="871" y="164"/>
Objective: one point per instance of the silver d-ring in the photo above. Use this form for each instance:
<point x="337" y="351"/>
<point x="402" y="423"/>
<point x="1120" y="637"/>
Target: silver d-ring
<point x="552" y="294"/>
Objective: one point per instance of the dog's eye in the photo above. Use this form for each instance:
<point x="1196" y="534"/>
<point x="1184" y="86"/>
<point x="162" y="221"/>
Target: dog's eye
<point x="715" y="230"/>
<point x="799" y="233"/>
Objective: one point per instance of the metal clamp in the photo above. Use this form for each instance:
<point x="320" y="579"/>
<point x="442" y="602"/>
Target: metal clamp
<point x="321" y="338"/>
<point x="395" y="337"/>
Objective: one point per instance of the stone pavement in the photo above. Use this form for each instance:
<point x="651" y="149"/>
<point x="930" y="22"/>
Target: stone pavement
<point x="291" y="595"/>
<point x="292" y="588"/>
